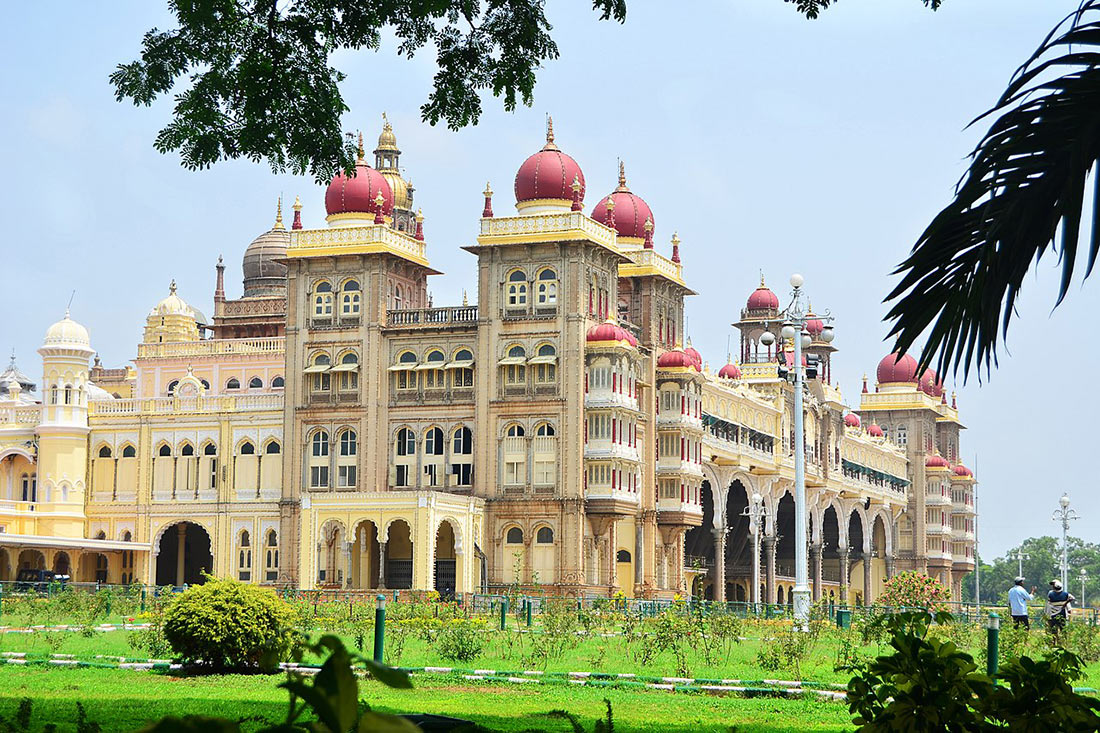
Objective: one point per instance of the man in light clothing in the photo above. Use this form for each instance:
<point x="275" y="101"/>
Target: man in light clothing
<point x="1017" y="604"/>
<point x="1058" y="607"/>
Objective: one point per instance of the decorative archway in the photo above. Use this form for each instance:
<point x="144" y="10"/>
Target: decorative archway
<point x="399" y="555"/>
<point x="183" y="554"/>
<point x="365" y="557"/>
<point x="33" y="559"/>
<point x="446" y="560"/>
<point x="62" y="564"/>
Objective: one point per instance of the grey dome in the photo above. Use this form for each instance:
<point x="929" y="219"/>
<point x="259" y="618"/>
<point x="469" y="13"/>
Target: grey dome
<point x="263" y="275"/>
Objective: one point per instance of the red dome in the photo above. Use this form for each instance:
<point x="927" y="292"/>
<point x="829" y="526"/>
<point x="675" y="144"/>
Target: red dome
<point x="788" y="356"/>
<point x="892" y="369"/>
<point x="936" y="461"/>
<point x="695" y="356"/>
<point x="930" y="384"/>
<point x="814" y="326"/>
<point x="357" y="195"/>
<point x="852" y="420"/>
<point x="729" y="371"/>
<point x="608" y="331"/>
<point x="675" y="359"/>
<point x="548" y="174"/>
<point x="875" y="431"/>
<point x="630" y="211"/>
<point x="961" y="470"/>
<point x="762" y="299"/>
<point x="631" y="338"/>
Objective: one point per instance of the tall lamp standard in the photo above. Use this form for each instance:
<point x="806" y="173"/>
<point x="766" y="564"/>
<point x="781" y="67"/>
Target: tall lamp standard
<point x="1083" y="575"/>
<point x="794" y="331"/>
<point x="1064" y="514"/>
<point x="755" y="512"/>
<point x="1020" y="557"/>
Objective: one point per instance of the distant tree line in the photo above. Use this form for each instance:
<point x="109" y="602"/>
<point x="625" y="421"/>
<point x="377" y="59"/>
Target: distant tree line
<point x="1042" y="565"/>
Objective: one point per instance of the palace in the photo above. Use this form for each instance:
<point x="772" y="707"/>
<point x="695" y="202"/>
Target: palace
<point x="333" y="428"/>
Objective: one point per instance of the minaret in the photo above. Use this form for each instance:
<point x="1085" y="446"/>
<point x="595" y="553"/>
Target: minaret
<point x="63" y="429"/>
<point x="387" y="161"/>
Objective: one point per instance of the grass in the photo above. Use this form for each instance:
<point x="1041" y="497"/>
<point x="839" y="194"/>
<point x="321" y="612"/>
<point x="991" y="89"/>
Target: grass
<point x="122" y="700"/>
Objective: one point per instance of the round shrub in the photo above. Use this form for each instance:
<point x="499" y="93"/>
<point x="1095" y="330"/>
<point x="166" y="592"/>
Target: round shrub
<point x="914" y="590"/>
<point x="227" y="624"/>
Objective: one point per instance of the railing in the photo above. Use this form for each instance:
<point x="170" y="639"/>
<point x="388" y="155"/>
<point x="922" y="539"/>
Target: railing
<point x="427" y="317"/>
<point x="20" y="415"/>
<point x="564" y="225"/>
<point x="214" y="347"/>
<point x="651" y="260"/>
<point x="354" y="238"/>
<point x="177" y="405"/>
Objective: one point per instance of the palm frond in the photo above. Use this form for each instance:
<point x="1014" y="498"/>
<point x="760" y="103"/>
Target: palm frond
<point x="1023" y="195"/>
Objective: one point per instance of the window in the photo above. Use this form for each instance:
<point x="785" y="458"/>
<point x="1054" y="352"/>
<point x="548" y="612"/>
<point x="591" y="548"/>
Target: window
<point x="318" y="468"/>
<point x="514" y="536"/>
<point x="244" y="557"/>
<point x="544" y="429"/>
<point x="105" y="452"/>
<point x="165" y="450"/>
<point x="30" y="487"/>
<point x="322" y="300"/>
<point x="902" y="436"/>
<point x="187" y="450"/>
<point x="405" y="367"/>
<point x="345" y="468"/>
<point x="272" y="448"/>
<point x="515" y="296"/>
<point x="255" y="383"/>
<point x="622" y="556"/>
<point x="233" y="383"/>
<point x="277" y="383"/>
<point x="462" y="369"/>
<point x="172" y="386"/>
<point x="463" y="442"/>
<point x="514" y="431"/>
<point x="129" y="452"/>
<point x="544" y="536"/>
<point x="319" y="371"/>
<point x="349" y="299"/>
<point x="271" y="556"/>
<point x="546" y="364"/>
<point x="53" y="395"/>
<point x="515" y="371"/>
<point x="210" y="450"/>
<point x="546" y="289"/>
<point x="433" y="370"/>
<point x="247" y="448"/>
<point x="68" y="394"/>
<point x="406" y="442"/>
<point x="349" y="372"/>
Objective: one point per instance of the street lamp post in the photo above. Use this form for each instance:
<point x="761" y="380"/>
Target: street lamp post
<point x="1083" y="575"/>
<point x="794" y="330"/>
<point x="1020" y="557"/>
<point x="1064" y="514"/>
<point x="755" y="512"/>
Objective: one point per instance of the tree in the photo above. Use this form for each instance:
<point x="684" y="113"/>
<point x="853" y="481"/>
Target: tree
<point x="253" y="78"/>
<point x="1041" y="566"/>
<point x="1022" y="196"/>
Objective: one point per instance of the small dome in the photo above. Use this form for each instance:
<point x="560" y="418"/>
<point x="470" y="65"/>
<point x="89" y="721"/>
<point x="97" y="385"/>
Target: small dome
<point x="875" y="431"/>
<point x="67" y="333"/>
<point x="814" y="325"/>
<point x="264" y="274"/>
<point x="893" y="369"/>
<point x="172" y="305"/>
<point x="935" y="461"/>
<point x="931" y="384"/>
<point x="12" y="376"/>
<point x="729" y="371"/>
<point x="609" y="332"/>
<point x="851" y="420"/>
<point x="788" y="356"/>
<point x="675" y="359"/>
<point x="97" y="393"/>
<point x="961" y="470"/>
<point x="762" y="299"/>
<point x="630" y="211"/>
<point x="547" y="176"/>
<point x="695" y="356"/>
<point x="357" y="195"/>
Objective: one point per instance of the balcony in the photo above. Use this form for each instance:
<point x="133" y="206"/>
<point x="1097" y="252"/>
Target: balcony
<point x="677" y="465"/>
<point x="606" y="500"/>
<point x="432" y="317"/>
<point x="19" y="415"/>
<point x="679" y="420"/>
<point x="607" y="449"/>
<point x="178" y="405"/>
<point x="607" y="398"/>
<point x="937" y="529"/>
<point x="962" y="535"/>
<point x="274" y="346"/>
<point x="674" y="511"/>
<point x="936" y="498"/>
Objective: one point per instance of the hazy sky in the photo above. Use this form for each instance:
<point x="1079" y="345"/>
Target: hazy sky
<point x="767" y="141"/>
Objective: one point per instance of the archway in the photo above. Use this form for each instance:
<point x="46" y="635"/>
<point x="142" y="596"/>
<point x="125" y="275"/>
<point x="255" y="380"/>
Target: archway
<point x="5" y="565"/>
<point x="699" y="545"/>
<point x="738" y="538"/>
<point x="399" y="555"/>
<point x="784" y="533"/>
<point x="830" y="547"/>
<point x="446" y="581"/>
<point x="33" y="559"/>
<point x="61" y="564"/>
<point x="330" y="570"/>
<point x="878" y="564"/>
<point x="183" y="555"/>
<point x="364" y="556"/>
<point x="855" y="547"/>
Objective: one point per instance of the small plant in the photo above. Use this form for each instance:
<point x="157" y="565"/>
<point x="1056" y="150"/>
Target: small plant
<point x="461" y="640"/>
<point x="911" y="589"/>
<point x="151" y="640"/>
<point x="23" y="715"/>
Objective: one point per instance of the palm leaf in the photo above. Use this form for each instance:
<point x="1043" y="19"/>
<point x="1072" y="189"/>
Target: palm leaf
<point x="1022" y="196"/>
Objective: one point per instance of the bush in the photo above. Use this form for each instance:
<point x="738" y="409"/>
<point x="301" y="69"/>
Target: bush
<point x="227" y="624"/>
<point x="461" y="640"/>
<point x="914" y="590"/>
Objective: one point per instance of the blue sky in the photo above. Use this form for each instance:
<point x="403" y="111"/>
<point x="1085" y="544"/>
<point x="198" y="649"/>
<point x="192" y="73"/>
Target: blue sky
<point x="767" y="141"/>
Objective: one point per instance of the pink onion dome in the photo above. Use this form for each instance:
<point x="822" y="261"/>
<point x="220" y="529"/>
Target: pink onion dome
<point x="675" y="359"/>
<point x="729" y="371"/>
<point x="762" y="299"/>
<point x="608" y="332"/>
<point x="851" y="420"/>
<point x="695" y="356"/>
<point x="358" y="194"/>
<point x="788" y="356"/>
<point x="548" y="175"/>
<point x="931" y="384"/>
<point x="893" y="369"/>
<point x="961" y="470"/>
<point x="814" y="325"/>
<point x="875" y="431"/>
<point x="628" y="212"/>
<point x="935" y="461"/>
<point x="631" y="338"/>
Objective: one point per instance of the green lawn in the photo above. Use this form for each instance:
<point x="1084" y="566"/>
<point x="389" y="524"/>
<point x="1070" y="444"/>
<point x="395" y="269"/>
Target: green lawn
<point x="122" y="700"/>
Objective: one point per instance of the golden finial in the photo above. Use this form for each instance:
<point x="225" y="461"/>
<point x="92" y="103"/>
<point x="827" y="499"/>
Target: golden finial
<point x="577" y="184"/>
<point x="675" y="239"/>
<point x="419" y="214"/>
<point x="464" y="297"/>
<point x="385" y="120"/>
<point x="549" y="134"/>
<point x="488" y="190"/>
<point x="622" y="176"/>
<point x="361" y="151"/>
<point x="171" y="287"/>
<point x="761" y="278"/>
<point x="379" y="201"/>
<point x="297" y="204"/>
<point x="279" y="214"/>
<point x="610" y="204"/>
<point x="648" y="225"/>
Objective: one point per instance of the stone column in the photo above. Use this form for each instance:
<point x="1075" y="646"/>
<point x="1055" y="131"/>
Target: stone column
<point x="381" y="564"/>
<point x="639" y="556"/>
<point x="612" y="551"/>
<point x="719" y="564"/>
<point x="181" y="544"/>
<point x="769" y="559"/>
<point x="844" y="568"/>
<point x="815" y="560"/>
<point x="868" y="578"/>
<point x="347" y="564"/>
<point x="890" y="569"/>
<point x="527" y="571"/>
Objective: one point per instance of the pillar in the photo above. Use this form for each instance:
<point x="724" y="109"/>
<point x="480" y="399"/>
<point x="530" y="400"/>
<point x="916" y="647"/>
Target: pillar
<point x="844" y="569"/>
<point x="720" y="564"/>
<point x="612" y="550"/>
<point x="381" y="564"/>
<point x="815" y="560"/>
<point x="639" y="558"/>
<point x="868" y="595"/>
<point x="769" y="559"/>
<point x="347" y="564"/>
<point x="181" y="544"/>
<point x="889" y="567"/>
<point x="527" y="571"/>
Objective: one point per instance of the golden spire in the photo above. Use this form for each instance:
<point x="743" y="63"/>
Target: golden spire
<point x="648" y="227"/>
<point x="761" y="278"/>
<point x="610" y="204"/>
<point x="297" y="204"/>
<point x="171" y="291"/>
<point x="488" y="190"/>
<point x="279" y="215"/>
<point x="419" y="214"/>
<point x="576" y="186"/>
<point x="464" y="297"/>
<point x="549" y="134"/>
<point x="622" y="177"/>
<point x="362" y="154"/>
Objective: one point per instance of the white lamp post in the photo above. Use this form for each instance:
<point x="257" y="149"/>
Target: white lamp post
<point x="755" y="512"/>
<point x="1064" y="514"/>
<point x="1020" y="557"/>
<point x="1083" y="575"/>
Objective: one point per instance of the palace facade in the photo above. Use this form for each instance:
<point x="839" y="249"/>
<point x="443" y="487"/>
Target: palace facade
<point x="333" y="428"/>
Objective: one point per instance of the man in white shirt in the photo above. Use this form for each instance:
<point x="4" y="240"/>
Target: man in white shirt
<point x="1017" y="604"/>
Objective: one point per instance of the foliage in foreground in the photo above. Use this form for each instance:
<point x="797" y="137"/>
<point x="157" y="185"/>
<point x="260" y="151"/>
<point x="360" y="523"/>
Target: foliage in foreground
<point x="929" y="684"/>
<point x="226" y="624"/>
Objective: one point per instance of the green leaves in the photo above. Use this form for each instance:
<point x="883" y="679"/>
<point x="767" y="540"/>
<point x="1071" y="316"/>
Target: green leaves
<point x="252" y="78"/>
<point x="1025" y="185"/>
<point x="812" y="8"/>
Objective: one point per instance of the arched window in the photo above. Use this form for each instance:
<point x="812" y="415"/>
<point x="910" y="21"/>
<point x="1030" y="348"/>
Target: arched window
<point x="272" y="448"/>
<point x="255" y="383"/>
<point x="545" y="536"/>
<point x="544" y="429"/>
<point x="622" y="556"/>
<point x="247" y="448"/>
<point x="462" y="369"/>
<point x="405" y="448"/>
<point x="53" y="395"/>
<point x="319" y="444"/>
<point x="350" y="299"/>
<point x="398" y="301"/>
<point x="271" y="556"/>
<point x="205" y="384"/>
<point x="244" y="557"/>
<point x="546" y="364"/>
<point x="68" y="394"/>
<point x="405" y="368"/>
<point x="29" y="485"/>
<point x="318" y="460"/>
<point x="515" y="370"/>
<point x="515" y="294"/>
<point x="105" y="452"/>
<point x="514" y="536"/>
<point x="546" y="288"/>
<point x="187" y="450"/>
<point x="462" y="442"/>
<point x="210" y="449"/>
<point x="433" y="369"/>
<point x="165" y="450"/>
<point x="406" y="442"/>
<point x="319" y="371"/>
<point x="346" y="460"/>
<point x="129" y="452"/>
<point x="233" y="383"/>
<point x="348" y="369"/>
<point x="322" y="300"/>
<point x="277" y="383"/>
<point x="172" y="386"/>
<point x="433" y="442"/>
<point x="515" y="430"/>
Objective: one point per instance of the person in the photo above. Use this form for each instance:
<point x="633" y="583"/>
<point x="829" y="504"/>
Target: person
<point x="1058" y="606"/>
<point x="1017" y="603"/>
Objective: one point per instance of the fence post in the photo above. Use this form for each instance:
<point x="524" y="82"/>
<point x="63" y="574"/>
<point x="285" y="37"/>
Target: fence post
<point x="143" y="599"/>
<point x="379" y="627"/>
<point x="529" y="605"/>
<point x="992" y="647"/>
<point x="503" y="614"/>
